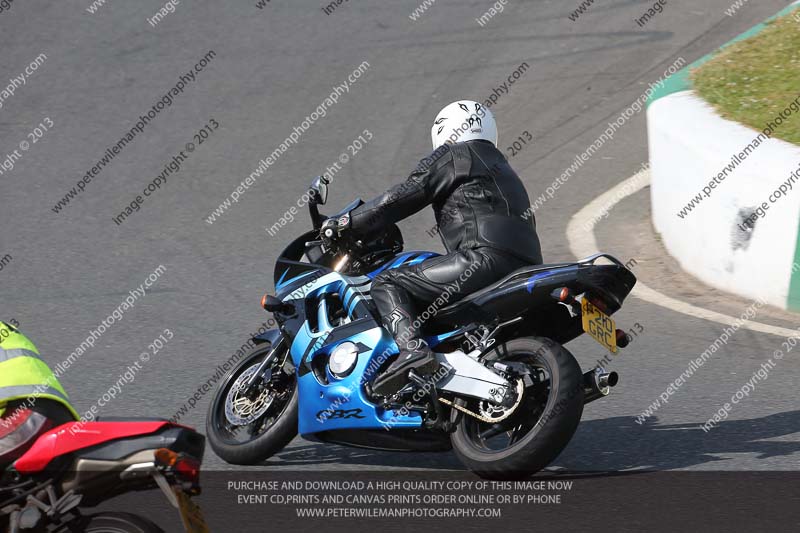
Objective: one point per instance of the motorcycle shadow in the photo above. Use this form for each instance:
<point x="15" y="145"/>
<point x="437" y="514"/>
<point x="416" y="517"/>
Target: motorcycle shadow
<point x="601" y="447"/>
<point x="302" y="452"/>
<point x="621" y="444"/>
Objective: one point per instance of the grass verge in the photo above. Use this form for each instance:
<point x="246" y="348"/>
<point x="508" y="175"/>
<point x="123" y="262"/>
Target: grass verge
<point x="753" y="80"/>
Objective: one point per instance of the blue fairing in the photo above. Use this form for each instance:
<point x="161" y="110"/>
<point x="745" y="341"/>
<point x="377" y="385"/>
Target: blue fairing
<point x="342" y="403"/>
<point x="405" y="259"/>
<point x="284" y="283"/>
<point x="435" y="340"/>
<point x="328" y="402"/>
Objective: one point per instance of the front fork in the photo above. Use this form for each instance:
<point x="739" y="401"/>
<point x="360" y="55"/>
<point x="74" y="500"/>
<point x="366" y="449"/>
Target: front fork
<point x="258" y="374"/>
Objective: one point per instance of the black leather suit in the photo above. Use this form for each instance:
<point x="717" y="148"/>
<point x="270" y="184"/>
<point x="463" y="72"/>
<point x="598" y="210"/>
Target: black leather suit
<point x="482" y="210"/>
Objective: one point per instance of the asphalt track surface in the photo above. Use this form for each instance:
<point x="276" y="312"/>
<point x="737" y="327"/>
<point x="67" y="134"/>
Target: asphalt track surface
<point x="272" y="68"/>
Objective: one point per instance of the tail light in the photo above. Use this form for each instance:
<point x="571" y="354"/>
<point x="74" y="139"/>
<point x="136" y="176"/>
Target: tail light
<point x="600" y="304"/>
<point x="188" y="469"/>
<point x="19" y="429"/>
<point x="185" y="467"/>
<point x="12" y="420"/>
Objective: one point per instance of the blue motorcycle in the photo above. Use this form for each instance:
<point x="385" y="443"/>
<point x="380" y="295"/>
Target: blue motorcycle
<point x="508" y="396"/>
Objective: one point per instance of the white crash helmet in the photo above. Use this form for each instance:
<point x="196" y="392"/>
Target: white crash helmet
<point x="461" y="121"/>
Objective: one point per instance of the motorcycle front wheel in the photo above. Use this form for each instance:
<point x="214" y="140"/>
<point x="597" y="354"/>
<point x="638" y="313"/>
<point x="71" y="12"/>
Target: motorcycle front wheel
<point x="507" y="446"/>
<point x="247" y="426"/>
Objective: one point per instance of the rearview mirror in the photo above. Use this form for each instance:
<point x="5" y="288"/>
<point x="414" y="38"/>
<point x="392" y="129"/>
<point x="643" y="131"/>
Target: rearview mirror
<point x="320" y="188"/>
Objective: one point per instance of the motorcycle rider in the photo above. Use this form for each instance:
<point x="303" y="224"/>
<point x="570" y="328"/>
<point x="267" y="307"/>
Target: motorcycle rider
<point x="32" y="400"/>
<point x="484" y="219"/>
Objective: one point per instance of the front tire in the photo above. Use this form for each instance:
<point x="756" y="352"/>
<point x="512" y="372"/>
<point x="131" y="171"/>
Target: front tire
<point x="541" y="425"/>
<point x="271" y="430"/>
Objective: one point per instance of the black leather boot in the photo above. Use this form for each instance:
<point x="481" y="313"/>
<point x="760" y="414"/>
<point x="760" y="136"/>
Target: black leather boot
<point x="417" y="356"/>
<point x="397" y="313"/>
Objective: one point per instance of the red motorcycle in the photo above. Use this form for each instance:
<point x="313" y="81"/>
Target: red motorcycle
<point x="59" y="471"/>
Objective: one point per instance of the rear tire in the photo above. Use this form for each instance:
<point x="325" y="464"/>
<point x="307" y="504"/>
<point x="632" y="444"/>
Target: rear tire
<point x="118" y="523"/>
<point x="262" y="446"/>
<point x="554" y="425"/>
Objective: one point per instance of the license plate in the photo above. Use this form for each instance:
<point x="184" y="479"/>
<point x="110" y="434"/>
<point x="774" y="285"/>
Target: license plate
<point x="192" y="516"/>
<point x="599" y="325"/>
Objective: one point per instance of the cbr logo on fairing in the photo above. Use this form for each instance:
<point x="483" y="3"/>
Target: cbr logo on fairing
<point x="340" y="413"/>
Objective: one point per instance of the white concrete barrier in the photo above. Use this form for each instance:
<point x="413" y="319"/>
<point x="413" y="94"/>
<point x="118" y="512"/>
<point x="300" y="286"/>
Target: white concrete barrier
<point x="714" y="196"/>
<point x="712" y="239"/>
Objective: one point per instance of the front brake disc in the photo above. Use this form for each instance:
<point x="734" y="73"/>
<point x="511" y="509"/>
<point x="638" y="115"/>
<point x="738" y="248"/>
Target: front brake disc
<point x="242" y="409"/>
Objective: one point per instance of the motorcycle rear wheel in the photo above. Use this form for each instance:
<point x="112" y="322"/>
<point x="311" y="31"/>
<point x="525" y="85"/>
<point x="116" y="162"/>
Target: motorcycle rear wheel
<point x="270" y="431"/>
<point x="541" y="425"/>
<point x="117" y="523"/>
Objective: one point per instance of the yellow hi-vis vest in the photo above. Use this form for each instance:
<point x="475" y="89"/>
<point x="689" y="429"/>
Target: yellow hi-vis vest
<point x="24" y="375"/>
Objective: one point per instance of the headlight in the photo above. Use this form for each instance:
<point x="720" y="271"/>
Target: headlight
<point x="343" y="359"/>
